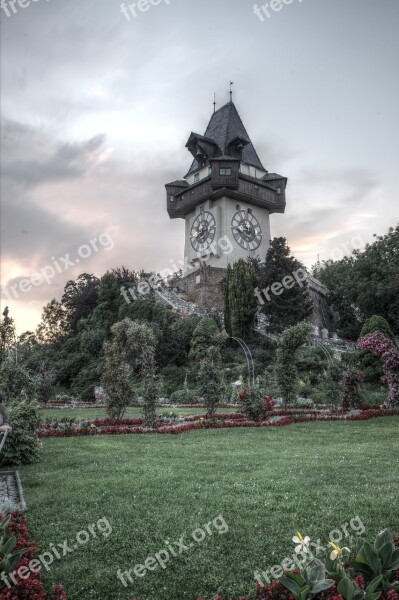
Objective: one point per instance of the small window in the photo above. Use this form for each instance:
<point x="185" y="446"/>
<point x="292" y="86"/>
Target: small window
<point x="209" y="170"/>
<point x="196" y="177"/>
<point x="279" y="190"/>
<point x="225" y="171"/>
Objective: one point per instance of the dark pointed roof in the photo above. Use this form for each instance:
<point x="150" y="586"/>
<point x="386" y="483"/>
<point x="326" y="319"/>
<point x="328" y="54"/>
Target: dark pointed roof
<point x="224" y="127"/>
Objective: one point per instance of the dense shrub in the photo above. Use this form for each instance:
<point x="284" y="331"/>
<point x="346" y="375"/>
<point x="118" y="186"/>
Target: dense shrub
<point x="45" y="383"/>
<point x="16" y="381"/>
<point x="185" y="396"/>
<point x="22" y="445"/>
<point x="172" y="379"/>
<point x="253" y="404"/>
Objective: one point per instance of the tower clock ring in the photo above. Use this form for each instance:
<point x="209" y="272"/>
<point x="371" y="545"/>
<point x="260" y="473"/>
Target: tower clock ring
<point x="246" y="230"/>
<point x="203" y="231"/>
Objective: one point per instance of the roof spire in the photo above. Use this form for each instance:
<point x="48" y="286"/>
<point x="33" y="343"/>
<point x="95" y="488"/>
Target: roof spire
<point x="231" y="90"/>
<point x="214" y="102"/>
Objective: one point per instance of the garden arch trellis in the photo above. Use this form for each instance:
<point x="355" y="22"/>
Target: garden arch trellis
<point x="249" y="359"/>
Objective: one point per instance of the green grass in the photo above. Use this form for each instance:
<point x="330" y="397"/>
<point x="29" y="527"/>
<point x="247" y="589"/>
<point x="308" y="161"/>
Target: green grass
<point x="94" y="413"/>
<point x="267" y="483"/>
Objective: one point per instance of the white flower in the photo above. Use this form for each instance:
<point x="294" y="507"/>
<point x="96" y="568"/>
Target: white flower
<point x="302" y="543"/>
<point x="337" y="551"/>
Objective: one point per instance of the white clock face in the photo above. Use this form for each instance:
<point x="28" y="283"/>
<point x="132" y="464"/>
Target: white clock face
<point x="246" y="230"/>
<point x="203" y="231"/>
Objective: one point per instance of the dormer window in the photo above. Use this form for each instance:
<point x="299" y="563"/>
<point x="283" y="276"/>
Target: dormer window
<point x="225" y="171"/>
<point x="196" y="177"/>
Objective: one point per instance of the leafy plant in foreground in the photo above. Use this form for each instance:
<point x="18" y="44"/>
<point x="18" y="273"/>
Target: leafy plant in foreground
<point x="8" y="558"/>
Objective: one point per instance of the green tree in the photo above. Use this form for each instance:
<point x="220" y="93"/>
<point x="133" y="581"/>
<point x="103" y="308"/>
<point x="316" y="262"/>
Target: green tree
<point x="141" y="352"/>
<point x="365" y="284"/>
<point x="293" y="304"/>
<point x="7" y="335"/>
<point x="133" y="347"/>
<point x="289" y="342"/>
<point x="53" y="324"/>
<point x="240" y="305"/>
<point x="79" y="299"/>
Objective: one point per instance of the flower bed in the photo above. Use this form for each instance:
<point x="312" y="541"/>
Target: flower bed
<point x="341" y="574"/>
<point x="30" y="588"/>
<point x="190" y="423"/>
<point x="63" y="405"/>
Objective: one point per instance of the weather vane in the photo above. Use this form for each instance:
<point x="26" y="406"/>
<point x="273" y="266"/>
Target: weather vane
<point x="231" y="90"/>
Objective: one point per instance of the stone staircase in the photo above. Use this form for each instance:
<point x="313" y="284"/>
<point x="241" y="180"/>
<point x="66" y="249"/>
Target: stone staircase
<point x="185" y="307"/>
<point x="178" y="303"/>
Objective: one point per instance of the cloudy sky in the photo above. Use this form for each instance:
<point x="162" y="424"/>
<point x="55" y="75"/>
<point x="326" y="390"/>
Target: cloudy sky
<point x="96" y="111"/>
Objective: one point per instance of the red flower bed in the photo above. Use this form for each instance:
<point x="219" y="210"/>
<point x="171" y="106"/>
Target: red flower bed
<point x="32" y="587"/>
<point x="217" y="421"/>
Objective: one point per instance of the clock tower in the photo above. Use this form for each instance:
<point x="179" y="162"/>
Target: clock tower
<point x="226" y="198"/>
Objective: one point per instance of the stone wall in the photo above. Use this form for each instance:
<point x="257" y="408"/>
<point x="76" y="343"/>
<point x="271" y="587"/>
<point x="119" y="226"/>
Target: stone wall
<point x="204" y="287"/>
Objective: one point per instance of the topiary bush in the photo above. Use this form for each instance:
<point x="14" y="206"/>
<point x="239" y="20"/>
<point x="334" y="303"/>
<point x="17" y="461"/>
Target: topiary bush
<point x="370" y="364"/>
<point x="204" y="336"/>
<point x="384" y="348"/>
<point x="377" y="323"/>
<point x="350" y="388"/>
<point x="22" y="445"/>
<point x="289" y="342"/>
<point x="211" y="388"/>
<point x="330" y="384"/>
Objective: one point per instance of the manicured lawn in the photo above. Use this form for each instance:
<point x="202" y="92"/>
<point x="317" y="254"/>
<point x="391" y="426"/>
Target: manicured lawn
<point x="267" y="483"/>
<point x="93" y="413"/>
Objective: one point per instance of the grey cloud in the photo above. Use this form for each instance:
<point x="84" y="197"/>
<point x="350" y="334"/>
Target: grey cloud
<point x="67" y="161"/>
